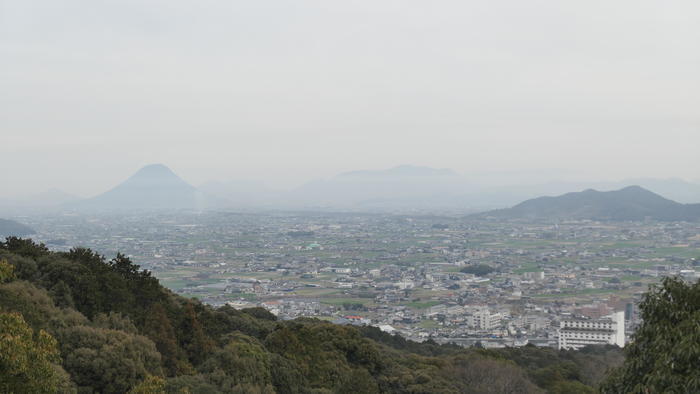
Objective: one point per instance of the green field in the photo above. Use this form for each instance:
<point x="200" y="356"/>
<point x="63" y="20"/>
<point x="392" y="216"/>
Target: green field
<point x="422" y="304"/>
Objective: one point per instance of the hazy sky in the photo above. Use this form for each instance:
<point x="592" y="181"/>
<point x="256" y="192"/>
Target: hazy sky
<point x="289" y="91"/>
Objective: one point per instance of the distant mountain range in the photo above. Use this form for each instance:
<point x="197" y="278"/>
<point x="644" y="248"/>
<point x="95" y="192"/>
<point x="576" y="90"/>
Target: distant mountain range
<point x="399" y="172"/>
<point x="403" y="189"/>
<point x="674" y="189"/>
<point x="241" y="194"/>
<point x="49" y="200"/>
<point x="12" y="228"/>
<point x="422" y="188"/>
<point x="152" y="188"/>
<point x="631" y="203"/>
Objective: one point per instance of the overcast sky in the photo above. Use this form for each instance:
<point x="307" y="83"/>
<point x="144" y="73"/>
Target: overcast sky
<point x="289" y="91"/>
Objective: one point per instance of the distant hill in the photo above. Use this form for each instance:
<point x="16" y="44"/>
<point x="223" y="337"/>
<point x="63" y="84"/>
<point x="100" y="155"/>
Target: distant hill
<point x="12" y="228"/>
<point x="408" y="188"/>
<point x="154" y="187"/>
<point x="48" y="201"/>
<point x="506" y="195"/>
<point x="400" y="171"/>
<point x="399" y="187"/>
<point x="49" y="198"/>
<point x="672" y="188"/>
<point x="629" y="203"/>
<point x="241" y="193"/>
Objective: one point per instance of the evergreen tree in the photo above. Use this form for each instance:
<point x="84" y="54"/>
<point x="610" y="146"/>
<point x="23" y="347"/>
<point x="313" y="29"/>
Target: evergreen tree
<point x="28" y="360"/>
<point x="7" y="271"/>
<point x="159" y="328"/>
<point x="664" y="355"/>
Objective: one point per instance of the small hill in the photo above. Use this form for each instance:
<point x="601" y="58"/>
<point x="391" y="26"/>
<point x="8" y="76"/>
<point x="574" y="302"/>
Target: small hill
<point x="12" y="228"/>
<point x="153" y="187"/>
<point x="629" y="203"/>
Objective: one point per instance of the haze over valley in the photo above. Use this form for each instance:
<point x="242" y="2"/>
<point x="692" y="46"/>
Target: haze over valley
<point x="316" y="197"/>
<point x="403" y="188"/>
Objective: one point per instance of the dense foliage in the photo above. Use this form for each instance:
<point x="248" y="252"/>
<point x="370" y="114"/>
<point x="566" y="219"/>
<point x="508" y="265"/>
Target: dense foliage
<point x="89" y="324"/>
<point x="478" y="269"/>
<point x="665" y="354"/>
<point x="28" y="359"/>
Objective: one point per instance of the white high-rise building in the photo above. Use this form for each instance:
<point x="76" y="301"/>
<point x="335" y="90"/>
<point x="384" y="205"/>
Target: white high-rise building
<point x="483" y="319"/>
<point x="577" y="333"/>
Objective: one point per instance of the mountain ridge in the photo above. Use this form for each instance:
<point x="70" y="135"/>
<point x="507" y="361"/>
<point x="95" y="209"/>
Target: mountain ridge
<point x="631" y="203"/>
<point x="402" y="188"/>
<point x="400" y="170"/>
<point x="13" y="228"/>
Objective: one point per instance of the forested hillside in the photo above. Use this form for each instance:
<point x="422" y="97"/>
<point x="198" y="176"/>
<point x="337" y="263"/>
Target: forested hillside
<point x="77" y="322"/>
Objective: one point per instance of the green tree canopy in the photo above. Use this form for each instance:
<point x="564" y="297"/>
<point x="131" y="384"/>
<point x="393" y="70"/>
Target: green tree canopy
<point x="664" y="355"/>
<point x="7" y="271"/>
<point x="28" y="359"/>
<point x="478" y="269"/>
<point x="107" y="360"/>
<point x="150" y="385"/>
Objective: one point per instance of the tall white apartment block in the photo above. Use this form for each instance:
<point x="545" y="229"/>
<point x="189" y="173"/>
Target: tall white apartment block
<point x="577" y="333"/>
<point x="483" y="319"/>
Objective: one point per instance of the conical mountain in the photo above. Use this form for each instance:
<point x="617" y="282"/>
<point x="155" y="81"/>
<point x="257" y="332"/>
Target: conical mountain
<point x="153" y="187"/>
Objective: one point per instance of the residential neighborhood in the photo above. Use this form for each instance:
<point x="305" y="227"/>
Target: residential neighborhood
<point x="447" y="279"/>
